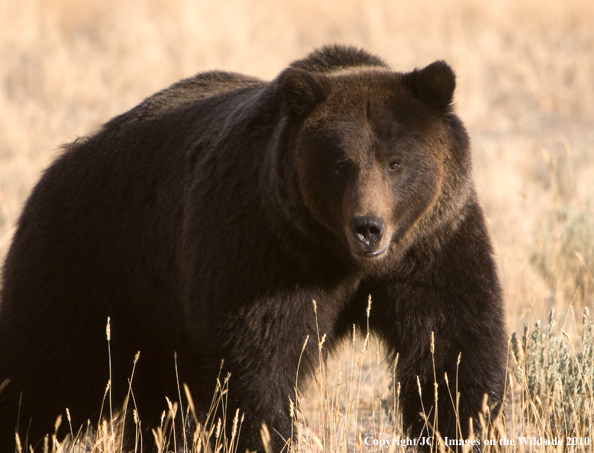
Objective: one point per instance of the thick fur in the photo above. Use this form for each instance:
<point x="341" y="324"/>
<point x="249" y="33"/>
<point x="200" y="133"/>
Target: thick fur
<point x="207" y="219"/>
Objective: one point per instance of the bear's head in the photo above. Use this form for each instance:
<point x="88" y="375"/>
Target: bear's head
<point x="381" y="160"/>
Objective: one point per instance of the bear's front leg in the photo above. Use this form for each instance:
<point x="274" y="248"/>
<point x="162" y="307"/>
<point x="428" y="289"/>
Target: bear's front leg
<point x="441" y="314"/>
<point x="263" y="351"/>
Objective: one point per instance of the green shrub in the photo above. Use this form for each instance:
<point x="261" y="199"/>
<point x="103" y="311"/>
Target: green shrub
<point x="556" y="381"/>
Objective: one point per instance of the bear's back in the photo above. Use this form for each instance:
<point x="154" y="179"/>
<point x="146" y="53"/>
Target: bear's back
<point x="188" y="92"/>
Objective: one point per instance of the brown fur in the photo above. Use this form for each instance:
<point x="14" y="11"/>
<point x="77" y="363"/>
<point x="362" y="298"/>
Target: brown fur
<point x="204" y="222"/>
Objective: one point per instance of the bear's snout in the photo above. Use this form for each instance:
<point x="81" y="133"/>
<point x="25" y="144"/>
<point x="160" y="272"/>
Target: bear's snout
<point x="367" y="231"/>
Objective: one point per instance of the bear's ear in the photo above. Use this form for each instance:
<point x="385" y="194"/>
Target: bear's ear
<point x="434" y="84"/>
<point x="303" y="90"/>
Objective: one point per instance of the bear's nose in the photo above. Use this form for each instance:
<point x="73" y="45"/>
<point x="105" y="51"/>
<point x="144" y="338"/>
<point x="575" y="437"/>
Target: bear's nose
<point x="368" y="230"/>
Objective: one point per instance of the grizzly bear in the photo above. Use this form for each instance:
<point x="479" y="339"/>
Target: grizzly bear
<point x="203" y="223"/>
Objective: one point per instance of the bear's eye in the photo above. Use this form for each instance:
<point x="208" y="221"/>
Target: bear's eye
<point x="394" y="166"/>
<point x="341" y="168"/>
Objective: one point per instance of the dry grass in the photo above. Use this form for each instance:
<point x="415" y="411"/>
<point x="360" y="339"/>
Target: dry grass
<point x="526" y="94"/>
<point x="352" y="405"/>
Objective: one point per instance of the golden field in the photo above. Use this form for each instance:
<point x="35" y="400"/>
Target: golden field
<point x="525" y="92"/>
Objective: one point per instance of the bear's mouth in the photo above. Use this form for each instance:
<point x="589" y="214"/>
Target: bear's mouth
<point x="370" y="254"/>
